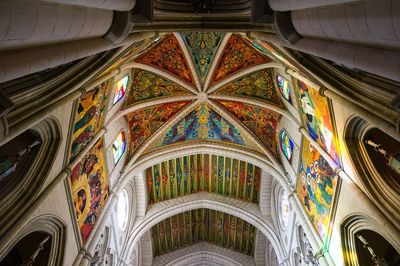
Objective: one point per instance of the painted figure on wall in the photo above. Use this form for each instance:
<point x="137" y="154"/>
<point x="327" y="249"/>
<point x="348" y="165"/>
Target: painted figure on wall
<point x="89" y="188"/>
<point x="89" y="117"/>
<point x="317" y="119"/>
<point x="316" y="188"/>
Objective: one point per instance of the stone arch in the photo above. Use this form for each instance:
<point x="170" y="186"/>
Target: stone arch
<point x="202" y="200"/>
<point x="49" y="224"/>
<point x="353" y="224"/>
<point x="22" y="194"/>
<point x="377" y="180"/>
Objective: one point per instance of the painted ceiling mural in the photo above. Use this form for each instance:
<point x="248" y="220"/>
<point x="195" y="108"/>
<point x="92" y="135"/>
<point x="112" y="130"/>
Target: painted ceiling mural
<point x="199" y="225"/>
<point x="168" y="55"/>
<point x="202" y="47"/>
<point x="316" y="188"/>
<point x="147" y="86"/>
<point x="144" y="122"/>
<point x="202" y="172"/>
<point x="261" y="121"/>
<point x="90" y="188"/>
<point x="89" y="117"/>
<point x="258" y="85"/>
<point x="316" y="116"/>
<point x="237" y="55"/>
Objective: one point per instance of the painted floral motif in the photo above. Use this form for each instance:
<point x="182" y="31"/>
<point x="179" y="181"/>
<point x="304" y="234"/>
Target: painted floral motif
<point x="199" y="225"/>
<point x="146" y="86"/>
<point x="168" y="55"/>
<point x="259" y="85"/>
<point x="89" y="188"/>
<point x="317" y="118"/>
<point x="202" y="47"/>
<point x="145" y="122"/>
<point x="89" y="117"/>
<point x="237" y="55"/>
<point x="262" y="122"/>
<point x="203" y="123"/>
<point x="316" y="188"/>
<point x="203" y="172"/>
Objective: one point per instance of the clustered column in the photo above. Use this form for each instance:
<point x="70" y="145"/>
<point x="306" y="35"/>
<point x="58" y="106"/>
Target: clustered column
<point x="358" y="34"/>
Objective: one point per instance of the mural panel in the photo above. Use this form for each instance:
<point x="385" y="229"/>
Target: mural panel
<point x="167" y="55"/>
<point x="203" y="123"/>
<point x="202" y="172"/>
<point x="146" y="86"/>
<point x="261" y="121"/>
<point x="316" y="188"/>
<point x="199" y="225"/>
<point x="144" y="122"/>
<point x="202" y="47"/>
<point x="90" y="188"/>
<point x="89" y="117"/>
<point x="237" y="55"/>
<point x="317" y="118"/>
<point x="259" y="84"/>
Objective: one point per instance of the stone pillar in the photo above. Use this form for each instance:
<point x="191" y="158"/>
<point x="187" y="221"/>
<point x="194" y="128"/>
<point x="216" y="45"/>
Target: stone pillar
<point x="18" y="63"/>
<point x="373" y="23"/>
<point x="117" y="5"/>
<point x="288" y="5"/>
<point x="32" y="22"/>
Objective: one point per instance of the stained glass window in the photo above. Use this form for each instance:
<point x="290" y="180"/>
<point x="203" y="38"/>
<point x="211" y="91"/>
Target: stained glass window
<point x="119" y="146"/>
<point x="284" y="87"/>
<point x="287" y="145"/>
<point x="120" y="89"/>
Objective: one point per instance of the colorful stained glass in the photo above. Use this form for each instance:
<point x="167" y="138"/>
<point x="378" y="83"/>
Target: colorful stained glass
<point x="284" y="88"/>
<point x="89" y="117"/>
<point x="147" y="85"/>
<point x="258" y="84"/>
<point x="119" y="147"/>
<point x="144" y="122"/>
<point x="287" y="145"/>
<point x="168" y="55"/>
<point x="203" y="123"/>
<point x="120" y="89"/>
<point x="317" y="119"/>
<point x="237" y="55"/>
<point x="199" y="225"/>
<point x="202" y="47"/>
<point x="90" y="189"/>
<point x="261" y="121"/>
<point x="203" y="172"/>
<point x="316" y="188"/>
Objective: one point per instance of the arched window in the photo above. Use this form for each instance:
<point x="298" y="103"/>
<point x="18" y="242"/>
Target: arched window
<point x="284" y="87"/>
<point x="120" y="89"/>
<point x="118" y="147"/>
<point x="123" y="210"/>
<point x="287" y="145"/>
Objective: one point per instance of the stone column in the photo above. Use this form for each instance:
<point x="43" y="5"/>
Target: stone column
<point x="118" y="5"/>
<point x="372" y="23"/>
<point x="288" y="5"/>
<point x="18" y="63"/>
<point x="30" y="23"/>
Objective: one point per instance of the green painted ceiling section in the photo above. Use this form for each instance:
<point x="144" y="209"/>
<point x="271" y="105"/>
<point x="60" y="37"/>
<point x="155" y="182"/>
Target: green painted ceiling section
<point x="202" y="47"/>
<point x="202" y="172"/>
<point x="199" y="225"/>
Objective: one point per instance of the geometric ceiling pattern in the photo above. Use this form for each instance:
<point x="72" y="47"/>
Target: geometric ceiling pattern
<point x="203" y="172"/>
<point x="199" y="225"/>
<point x="202" y="56"/>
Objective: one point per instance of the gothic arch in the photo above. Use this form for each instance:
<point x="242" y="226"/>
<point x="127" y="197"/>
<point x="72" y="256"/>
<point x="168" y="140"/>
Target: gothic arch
<point x="355" y="223"/>
<point x="49" y="224"/>
<point x="377" y="179"/>
<point x="21" y="194"/>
